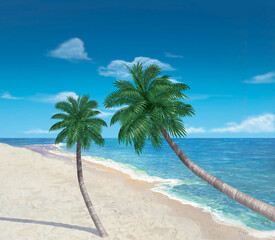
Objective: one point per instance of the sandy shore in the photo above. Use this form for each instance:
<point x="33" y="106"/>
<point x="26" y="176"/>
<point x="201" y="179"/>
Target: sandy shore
<point x="40" y="199"/>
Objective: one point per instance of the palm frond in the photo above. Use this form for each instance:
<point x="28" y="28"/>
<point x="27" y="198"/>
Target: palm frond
<point x="124" y="85"/>
<point x="184" y="110"/>
<point x="155" y="137"/>
<point x="139" y="144"/>
<point x="120" y="98"/>
<point x="154" y="102"/>
<point x="74" y="103"/>
<point x="57" y="126"/>
<point x="151" y="72"/>
<point x="61" y="136"/>
<point x="137" y="75"/>
<point x="117" y="116"/>
<point x="92" y="113"/>
<point x="60" y="116"/>
<point x="92" y="104"/>
<point x="97" y="121"/>
<point x="174" y="126"/>
<point x="65" y="107"/>
<point x="97" y="138"/>
<point x="171" y="91"/>
<point x="83" y="102"/>
<point x="134" y="129"/>
<point x="78" y="122"/>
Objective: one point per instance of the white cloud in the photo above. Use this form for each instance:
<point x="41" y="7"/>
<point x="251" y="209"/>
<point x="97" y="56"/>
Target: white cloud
<point x="106" y="114"/>
<point x="263" y="123"/>
<point x="117" y="68"/>
<point x="171" y="55"/>
<point x="195" y="130"/>
<point x="62" y="96"/>
<point x="37" y="131"/>
<point x="117" y="108"/>
<point x="7" y="95"/>
<point x="265" y="78"/>
<point x="111" y="111"/>
<point x="73" y="49"/>
<point x="199" y="96"/>
<point x="174" y="80"/>
<point x="206" y="96"/>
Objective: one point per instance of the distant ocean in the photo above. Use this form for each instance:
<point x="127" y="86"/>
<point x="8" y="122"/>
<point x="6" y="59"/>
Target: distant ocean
<point x="246" y="164"/>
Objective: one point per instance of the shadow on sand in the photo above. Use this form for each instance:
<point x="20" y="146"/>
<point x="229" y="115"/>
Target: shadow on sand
<point x="55" y="224"/>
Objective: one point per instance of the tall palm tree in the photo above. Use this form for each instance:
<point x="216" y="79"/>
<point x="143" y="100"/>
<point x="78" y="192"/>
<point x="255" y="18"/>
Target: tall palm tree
<point x="153" y="110"/>
<point x="79" y="125"/>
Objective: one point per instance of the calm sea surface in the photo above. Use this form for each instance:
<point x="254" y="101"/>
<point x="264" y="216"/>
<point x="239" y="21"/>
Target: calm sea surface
<point x="246" y="164"/>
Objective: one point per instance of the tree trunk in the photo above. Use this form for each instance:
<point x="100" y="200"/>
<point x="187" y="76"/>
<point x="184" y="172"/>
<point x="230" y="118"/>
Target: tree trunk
<point x="244" y="199"/>
<point x="85" y="195"/>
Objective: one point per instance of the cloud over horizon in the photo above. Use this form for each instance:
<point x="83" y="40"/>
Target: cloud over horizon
<point x="264" y="78"/>
<point x="37" y="131"/>
<point x="72" y="49"/>
<point x="259" y="124"/>
<point x="195" y="130"/>
<point x="117" y="68"/>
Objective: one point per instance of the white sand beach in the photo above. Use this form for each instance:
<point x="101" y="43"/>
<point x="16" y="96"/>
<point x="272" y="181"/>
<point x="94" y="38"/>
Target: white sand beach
<point x="40" y="199"/>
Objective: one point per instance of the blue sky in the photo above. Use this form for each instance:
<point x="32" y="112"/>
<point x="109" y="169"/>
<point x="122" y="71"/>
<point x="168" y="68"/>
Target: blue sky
<point x="225" y="52"/>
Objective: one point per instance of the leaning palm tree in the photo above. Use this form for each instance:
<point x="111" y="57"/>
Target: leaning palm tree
<point x="152" y="110"/>
<point x="79" y="125"/>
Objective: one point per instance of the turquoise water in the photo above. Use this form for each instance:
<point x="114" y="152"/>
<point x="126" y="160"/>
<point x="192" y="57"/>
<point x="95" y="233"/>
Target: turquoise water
<point x="246" y="164"/>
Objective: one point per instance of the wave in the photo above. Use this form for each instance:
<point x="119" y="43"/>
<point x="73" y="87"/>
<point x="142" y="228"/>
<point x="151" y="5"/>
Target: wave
<point x="60" y="145"/>
<point x="164" y="186"/>
<point x="217" y="215"/>
<point x="132" y="171"/>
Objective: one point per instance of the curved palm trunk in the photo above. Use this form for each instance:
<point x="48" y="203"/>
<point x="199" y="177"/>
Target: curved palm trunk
<point x="246" y="200"/>
<point x="85" y="195"/>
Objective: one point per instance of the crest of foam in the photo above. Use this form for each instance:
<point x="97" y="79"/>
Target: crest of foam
<point x="132" y="171"/>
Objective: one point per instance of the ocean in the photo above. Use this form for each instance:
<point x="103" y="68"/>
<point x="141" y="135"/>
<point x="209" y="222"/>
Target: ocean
<point x="247" y="164"/>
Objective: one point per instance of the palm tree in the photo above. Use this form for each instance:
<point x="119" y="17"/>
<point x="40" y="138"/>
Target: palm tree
<point x="153" y="110"/>
<point x="79" y="125"/>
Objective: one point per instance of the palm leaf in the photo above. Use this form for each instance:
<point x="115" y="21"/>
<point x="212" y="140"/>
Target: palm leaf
<point x="153" y="104"/>
<point x="61" y="136"/>
<point x="60" y="116"/>
<point x="78" y="122"/>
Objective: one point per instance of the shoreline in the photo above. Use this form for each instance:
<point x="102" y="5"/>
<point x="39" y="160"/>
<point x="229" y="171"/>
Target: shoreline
<point x="121" y="201"/>
<point x="153" y="185"/>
